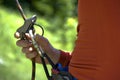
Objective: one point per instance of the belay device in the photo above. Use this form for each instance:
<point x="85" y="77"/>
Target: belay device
<point x="58" y="73"/>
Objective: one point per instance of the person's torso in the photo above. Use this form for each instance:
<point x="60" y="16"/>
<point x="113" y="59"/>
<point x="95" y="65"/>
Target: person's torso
<point x="96" y="55"/>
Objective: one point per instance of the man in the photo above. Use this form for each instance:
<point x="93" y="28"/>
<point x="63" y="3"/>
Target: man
<point x="96" y="55"/>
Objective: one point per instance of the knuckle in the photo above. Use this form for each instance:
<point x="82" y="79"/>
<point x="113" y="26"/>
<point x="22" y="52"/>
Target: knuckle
<point x="25" y="50"/>
<point x="18" y="43"/>
<point x="31" y="55"/>
<point x="27" y="56"/>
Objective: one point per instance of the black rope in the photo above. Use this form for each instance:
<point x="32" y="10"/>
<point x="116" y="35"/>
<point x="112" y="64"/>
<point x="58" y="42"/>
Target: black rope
<point x="33" y="69"/>
<point x="24" y="17"/>
<point x="21" y="10"/>
<point x="50" y="61"/>
<point x="45" y="67"/>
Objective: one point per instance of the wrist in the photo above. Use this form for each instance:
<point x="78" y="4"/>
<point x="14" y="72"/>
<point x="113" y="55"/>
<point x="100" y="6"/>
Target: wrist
<point x="54" y="54"/>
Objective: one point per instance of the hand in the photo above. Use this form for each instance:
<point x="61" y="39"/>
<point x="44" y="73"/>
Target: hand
<point x="30" y="52"/>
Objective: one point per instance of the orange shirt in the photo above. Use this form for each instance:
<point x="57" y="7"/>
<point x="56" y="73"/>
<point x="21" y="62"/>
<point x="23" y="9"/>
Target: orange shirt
<point x="96" y="55"/>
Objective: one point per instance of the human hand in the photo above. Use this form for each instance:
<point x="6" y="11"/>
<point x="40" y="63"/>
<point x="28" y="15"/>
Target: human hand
<point x="30" y="51"/>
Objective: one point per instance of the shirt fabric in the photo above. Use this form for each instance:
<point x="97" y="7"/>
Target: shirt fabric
<point x="96" y="55"/>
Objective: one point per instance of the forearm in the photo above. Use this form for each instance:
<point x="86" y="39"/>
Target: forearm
<point x="58" y="56"/>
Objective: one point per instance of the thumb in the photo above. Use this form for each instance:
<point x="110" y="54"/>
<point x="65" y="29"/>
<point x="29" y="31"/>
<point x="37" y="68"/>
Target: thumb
<point x="40" y="39"/>
<point x="17" y="35"/>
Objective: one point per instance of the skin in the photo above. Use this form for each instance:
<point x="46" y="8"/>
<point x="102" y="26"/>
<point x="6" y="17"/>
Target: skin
<point x="31" y="53"/>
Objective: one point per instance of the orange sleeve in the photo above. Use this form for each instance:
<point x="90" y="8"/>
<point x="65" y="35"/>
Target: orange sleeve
<point x="64" y="58"/>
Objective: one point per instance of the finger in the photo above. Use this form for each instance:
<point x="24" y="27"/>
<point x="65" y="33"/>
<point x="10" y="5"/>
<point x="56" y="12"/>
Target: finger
<point x="28" y="36"/>
<point x="27" y="49"/>
<point x="17" y="35"/>
<point x="31" y="55"/>
<point x="38" y="37"/>
<point x="41" y="39"/>
<point x="23" y="43"/>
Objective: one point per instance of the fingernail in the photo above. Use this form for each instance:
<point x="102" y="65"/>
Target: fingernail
<point x="17" y="34"/>
<point x="26" y="34"/>
<point x="30" y="49"/>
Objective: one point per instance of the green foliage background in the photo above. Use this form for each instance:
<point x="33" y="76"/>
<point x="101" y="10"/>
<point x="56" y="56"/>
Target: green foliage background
<point x="59" y="18"/>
